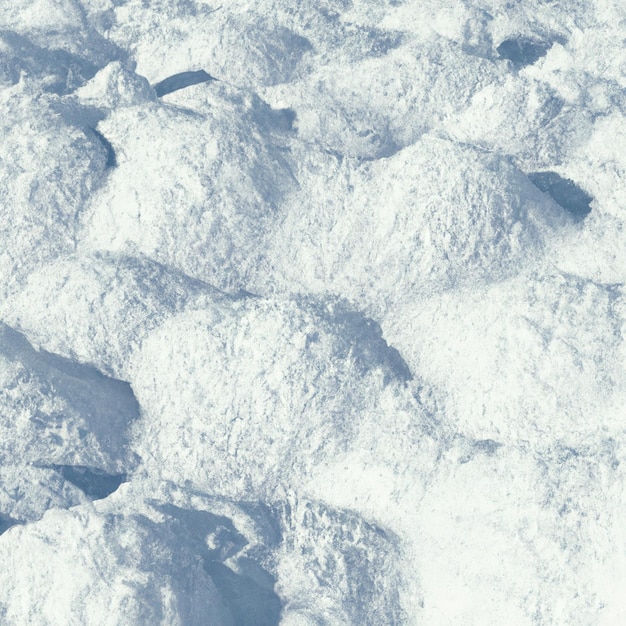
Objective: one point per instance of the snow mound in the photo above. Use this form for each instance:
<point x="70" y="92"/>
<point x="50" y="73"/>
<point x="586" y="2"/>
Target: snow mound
<point x="188" y="558"/>
<point x="334" y="568"/>
<point x="60" y="421"/>
<point x="526" y="513"/>
<point x="567" y="379"/>
<point x="49" y="168"/>
<point x="211" y="219"/>
<point x="247" y="44"/>
<point x="272" y="388"/>
<point x="433" y="216"/>
<point x="352" y="115"/>
<point x="81" y="324"/>
<point x="114" y="87"/>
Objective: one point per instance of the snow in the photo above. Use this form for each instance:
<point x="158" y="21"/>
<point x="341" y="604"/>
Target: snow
<point x="312" y="313"/>
<point x="210" y="221"/>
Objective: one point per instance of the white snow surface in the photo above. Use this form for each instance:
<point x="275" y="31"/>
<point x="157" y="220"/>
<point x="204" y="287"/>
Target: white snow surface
<point x="313" y="342"/>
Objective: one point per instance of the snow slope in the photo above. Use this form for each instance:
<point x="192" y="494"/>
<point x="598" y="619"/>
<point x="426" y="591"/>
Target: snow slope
<point x="312" y="314"/>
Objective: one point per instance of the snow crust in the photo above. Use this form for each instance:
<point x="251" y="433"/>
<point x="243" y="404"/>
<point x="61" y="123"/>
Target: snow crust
<point x="306" y="343"/>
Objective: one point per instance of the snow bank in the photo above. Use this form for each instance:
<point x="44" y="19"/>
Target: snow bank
<point x="565" y="380"/>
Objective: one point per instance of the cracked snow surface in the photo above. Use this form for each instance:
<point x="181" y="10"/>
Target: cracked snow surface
<point x="312" y="314"/>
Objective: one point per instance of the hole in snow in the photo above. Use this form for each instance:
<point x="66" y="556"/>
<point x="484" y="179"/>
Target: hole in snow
<point x="522" y="51"/>
<point x="564" y="192"/>
<point x="487" y="446"/>
<point x="93" y="482"/>
<point x="180" y="81"/>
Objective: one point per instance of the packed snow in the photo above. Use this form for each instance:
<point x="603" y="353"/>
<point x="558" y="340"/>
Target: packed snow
<point x="312" y="314"/>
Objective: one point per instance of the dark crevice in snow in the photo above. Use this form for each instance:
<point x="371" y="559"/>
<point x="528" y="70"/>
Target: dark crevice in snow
<point x="6" y="522"/>
<point x="564" y="192"/>
<point x="273" y="119"/>
<point x="267" y="525"/>
<point x="199" y="524"/>
<point x="111" y="160"/>
<point x="180" y="81"/>
<point x="77" y="114"/>
<point x="522" y="50"/>
<point x="93" y="482"/>
<point x="368" y="347"/>
<point x="87" y="119"/>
